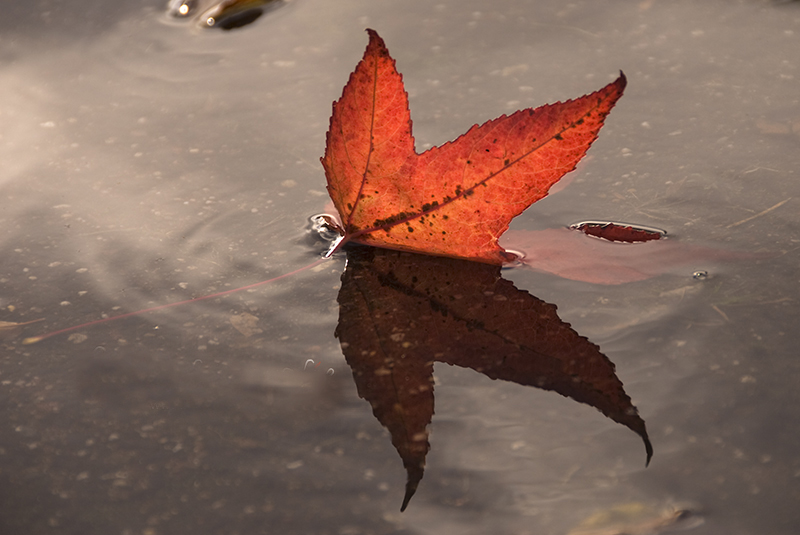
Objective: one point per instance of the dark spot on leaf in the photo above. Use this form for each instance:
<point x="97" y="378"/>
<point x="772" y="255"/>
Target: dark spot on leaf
<point x="558" y="137"/>
<point x="506" y="161"/>
<point x="390" y="221"/>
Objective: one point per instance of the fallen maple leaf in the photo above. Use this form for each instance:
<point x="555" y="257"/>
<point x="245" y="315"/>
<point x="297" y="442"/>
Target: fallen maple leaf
<point x="456" y="199"/>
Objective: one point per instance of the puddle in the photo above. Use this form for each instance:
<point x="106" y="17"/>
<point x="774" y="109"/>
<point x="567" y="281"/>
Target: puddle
<point x="146" y="163"/>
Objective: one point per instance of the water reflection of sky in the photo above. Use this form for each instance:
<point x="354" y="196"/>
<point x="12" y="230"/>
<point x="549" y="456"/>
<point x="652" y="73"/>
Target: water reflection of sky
<point x="147" y="161"/>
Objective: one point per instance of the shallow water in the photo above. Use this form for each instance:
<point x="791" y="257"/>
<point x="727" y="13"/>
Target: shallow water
<point x="147" y="161"/>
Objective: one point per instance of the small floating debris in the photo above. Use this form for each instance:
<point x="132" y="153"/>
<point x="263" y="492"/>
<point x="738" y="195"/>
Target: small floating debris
<point x="620" y="232"/>
<point x="245" y="323"/>
<point x="326" y="226"/>
<point x="10" y="327"/>
<point x="225" y="14"/>
<point x="636" y="518"/>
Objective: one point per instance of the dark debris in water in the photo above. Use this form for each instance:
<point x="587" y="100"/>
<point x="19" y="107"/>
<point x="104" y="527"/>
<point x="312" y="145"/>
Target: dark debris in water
<point x="619" y="232"/>
<point x="225" y="14"/>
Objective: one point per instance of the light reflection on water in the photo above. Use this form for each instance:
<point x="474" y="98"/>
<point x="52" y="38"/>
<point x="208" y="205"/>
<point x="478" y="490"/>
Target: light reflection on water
<point x="146" y="163"/>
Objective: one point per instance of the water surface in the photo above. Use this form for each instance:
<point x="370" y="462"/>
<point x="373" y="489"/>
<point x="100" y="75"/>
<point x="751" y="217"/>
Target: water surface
<point x="147" y="161"/>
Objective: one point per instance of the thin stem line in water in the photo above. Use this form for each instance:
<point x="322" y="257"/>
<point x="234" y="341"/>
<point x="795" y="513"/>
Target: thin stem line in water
<point x="35" y="339"/>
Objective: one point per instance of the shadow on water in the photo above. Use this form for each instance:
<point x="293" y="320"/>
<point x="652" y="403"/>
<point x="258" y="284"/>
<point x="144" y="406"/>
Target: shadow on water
<point x="401" y="312"/>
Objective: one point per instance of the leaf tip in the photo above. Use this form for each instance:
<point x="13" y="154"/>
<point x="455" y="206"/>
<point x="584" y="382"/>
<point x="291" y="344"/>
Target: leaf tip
<point x="412" y="482"/>
<point x="375" y="40"/>
<point x="648" y="447"/>
<point x="411" y="488"/>
<point x="621" y="82"/>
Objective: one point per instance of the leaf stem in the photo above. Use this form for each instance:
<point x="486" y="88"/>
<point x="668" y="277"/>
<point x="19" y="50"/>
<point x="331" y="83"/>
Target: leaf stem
<point x="336" y="244"/>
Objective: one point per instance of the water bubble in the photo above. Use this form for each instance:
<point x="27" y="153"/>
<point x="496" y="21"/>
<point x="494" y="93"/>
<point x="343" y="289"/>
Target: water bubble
<point x="517" y="260"/>
<point x="700" y="275"/>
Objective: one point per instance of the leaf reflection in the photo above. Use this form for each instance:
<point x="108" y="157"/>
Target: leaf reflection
<point x="401" y="312"/>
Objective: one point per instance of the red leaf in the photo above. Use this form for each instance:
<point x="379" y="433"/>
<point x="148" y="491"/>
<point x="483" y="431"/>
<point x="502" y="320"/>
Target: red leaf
<point x="457" y="199"/>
